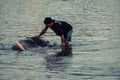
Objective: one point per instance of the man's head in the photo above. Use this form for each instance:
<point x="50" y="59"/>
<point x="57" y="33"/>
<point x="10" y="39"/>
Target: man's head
<point x="48" y="21"/>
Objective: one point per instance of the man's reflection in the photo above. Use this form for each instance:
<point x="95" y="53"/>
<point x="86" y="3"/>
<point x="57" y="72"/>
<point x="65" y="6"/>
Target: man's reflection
<point x="65" y="51"/>
<point x="59" y="62"/>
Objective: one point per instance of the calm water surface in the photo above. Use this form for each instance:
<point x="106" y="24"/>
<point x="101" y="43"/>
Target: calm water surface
<point x="96" y="40"/>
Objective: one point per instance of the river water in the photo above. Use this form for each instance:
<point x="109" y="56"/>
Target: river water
<point x="95" y="41"/>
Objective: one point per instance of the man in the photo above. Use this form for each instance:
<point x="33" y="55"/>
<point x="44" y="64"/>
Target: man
<point x="61" y="28"/>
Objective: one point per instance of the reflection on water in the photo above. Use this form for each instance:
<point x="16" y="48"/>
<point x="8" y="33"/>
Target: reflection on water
<point x="57" y="62"/>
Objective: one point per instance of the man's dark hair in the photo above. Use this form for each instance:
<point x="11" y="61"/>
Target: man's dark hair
<point x="48" y="20"/>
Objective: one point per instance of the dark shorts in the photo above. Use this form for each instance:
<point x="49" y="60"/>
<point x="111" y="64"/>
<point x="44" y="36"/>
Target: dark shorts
<point x="69" y="36"/>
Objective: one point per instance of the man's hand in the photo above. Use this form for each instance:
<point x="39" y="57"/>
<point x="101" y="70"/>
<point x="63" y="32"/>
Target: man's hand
<point x="36" y="36"/>
<point x="63" y="45"/>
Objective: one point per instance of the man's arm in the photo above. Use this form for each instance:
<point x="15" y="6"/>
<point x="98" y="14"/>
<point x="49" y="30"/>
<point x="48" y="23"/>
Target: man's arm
<point x="62" y="39"/>
<point x="42" y="32"/>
